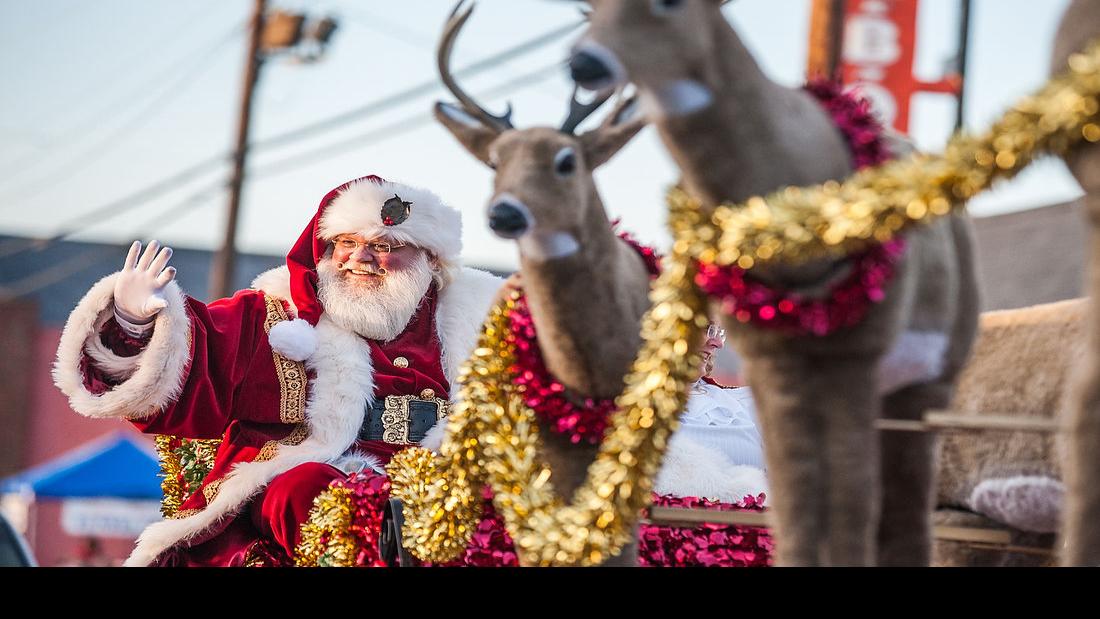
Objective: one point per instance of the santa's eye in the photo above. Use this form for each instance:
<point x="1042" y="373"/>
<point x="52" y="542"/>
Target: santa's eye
<point x="565" y="162"/>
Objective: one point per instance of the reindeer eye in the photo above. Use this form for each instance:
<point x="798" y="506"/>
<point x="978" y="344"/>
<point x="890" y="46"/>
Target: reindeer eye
<point x="664" y="7"/>
<point x="565" y="162"/>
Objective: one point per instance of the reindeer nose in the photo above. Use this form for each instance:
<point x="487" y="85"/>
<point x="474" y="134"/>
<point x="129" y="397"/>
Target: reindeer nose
<point x="589" y="71"/>
<point x="508" y="220"/>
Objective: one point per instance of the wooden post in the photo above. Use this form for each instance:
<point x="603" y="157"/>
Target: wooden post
<point x="964" y="45"/>
<point x="221" y="275"/>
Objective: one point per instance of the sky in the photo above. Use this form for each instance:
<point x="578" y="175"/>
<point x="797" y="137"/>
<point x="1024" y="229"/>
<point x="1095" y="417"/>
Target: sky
<point x="102" y="99"/>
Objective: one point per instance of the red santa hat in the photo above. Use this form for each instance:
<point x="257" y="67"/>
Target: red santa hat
<point x="362" y="206"/>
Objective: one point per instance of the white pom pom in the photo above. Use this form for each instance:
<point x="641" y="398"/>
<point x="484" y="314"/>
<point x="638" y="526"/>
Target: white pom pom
<point x="294" y="339"/>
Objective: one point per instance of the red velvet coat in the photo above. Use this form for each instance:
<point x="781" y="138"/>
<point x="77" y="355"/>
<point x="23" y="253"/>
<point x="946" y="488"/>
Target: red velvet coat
<point x="213" y="371"/>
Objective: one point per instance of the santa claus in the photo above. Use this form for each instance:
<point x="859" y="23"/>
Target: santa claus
<point x="329" y="364"/>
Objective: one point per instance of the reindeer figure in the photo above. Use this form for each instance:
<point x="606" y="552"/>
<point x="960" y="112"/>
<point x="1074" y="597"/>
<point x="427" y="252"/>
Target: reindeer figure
<point x="1081" y="24"/>
<point x="585" y="287"/>
<point x="735" y="134"/>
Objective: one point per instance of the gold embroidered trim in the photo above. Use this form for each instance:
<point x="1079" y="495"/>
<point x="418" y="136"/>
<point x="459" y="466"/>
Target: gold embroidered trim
<point x="184" y="513"/>
<point x="292" y="374"/>
<point x="210" y="490"/>
<point x="270" y="448"/>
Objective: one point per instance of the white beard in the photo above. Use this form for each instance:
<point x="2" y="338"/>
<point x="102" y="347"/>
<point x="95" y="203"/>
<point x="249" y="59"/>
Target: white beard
<point x="378" y="313"/>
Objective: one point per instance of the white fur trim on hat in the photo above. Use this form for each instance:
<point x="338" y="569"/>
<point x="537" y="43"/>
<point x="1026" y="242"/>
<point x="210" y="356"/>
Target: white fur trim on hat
<point x="294" y="339"/>
<point x="431" y="225"/>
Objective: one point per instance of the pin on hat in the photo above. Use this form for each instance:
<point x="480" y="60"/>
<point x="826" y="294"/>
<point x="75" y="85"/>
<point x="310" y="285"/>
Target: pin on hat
<point x="395" y="211"/>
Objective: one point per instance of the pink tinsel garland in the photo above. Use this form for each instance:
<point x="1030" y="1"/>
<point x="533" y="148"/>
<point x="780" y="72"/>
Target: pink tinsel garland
<point x="844" y="306"/>
<point x="708" y="545"/>
<point x="546" y="395"/>
<point x="848" y="301"/>
<point x="705" y="545"/>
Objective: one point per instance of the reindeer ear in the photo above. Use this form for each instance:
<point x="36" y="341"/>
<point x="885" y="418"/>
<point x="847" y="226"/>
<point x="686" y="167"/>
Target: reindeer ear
<point x="601" y="144"/>
<point x="468" y="130"/>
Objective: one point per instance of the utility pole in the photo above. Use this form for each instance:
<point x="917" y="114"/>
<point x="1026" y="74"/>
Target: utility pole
<point x="221" y="275"/>
<point x="279" y="31"/>
<point x="964" y="55"/>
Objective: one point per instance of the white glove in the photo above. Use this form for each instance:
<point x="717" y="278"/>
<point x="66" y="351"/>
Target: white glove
<point x="139" y="289"/>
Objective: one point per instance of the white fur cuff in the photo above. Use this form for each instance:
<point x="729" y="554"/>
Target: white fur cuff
<point x="155" y="376"/>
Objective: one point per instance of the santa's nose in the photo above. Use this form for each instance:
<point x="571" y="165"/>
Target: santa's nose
<point x="362" y="254"/>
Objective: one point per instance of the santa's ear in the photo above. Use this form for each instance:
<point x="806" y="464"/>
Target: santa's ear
<point x="468" y="130"/>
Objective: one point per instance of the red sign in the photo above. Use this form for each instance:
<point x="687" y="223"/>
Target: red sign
<point x="878" y="52"/>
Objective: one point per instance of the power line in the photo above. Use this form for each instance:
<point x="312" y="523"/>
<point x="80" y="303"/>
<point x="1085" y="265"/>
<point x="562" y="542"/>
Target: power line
<point x="111" y="209"/>
<point x="404" y="125"/>
<point x="92" y="86"/>
<point x="90" y="154"/>
<point x="424" y="88"/>
<point x="145" y="194"/>
<point x="67" y="268"/>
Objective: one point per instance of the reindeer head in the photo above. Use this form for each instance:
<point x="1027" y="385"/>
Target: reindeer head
<point x="544" y="195"/>
<point x="668" y="48"/>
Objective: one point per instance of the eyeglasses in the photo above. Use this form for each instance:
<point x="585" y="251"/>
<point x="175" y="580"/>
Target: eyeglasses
<point x="376" y="247"/>
<point x="716" y="332"/>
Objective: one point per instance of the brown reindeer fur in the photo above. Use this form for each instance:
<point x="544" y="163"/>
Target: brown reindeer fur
<point x="1081" y="24"/>
<point x="587" y="306"/>
<point x="1022" y="364"/>
<point x="817" y="397"/>
<point x="588" y="345"/>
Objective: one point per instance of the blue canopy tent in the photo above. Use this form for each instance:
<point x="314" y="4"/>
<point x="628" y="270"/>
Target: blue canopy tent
<point x="108" y="487"/>
<point x="117" y="466"/>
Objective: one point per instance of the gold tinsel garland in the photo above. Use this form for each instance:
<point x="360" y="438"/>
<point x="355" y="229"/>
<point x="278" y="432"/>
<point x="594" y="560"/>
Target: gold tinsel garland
<point x="326" y="535"/>
<point x="838" y="219"/>
<point x="170" y="469"/>
<point x="181" y="462"/>
<point x="492" y="437"/>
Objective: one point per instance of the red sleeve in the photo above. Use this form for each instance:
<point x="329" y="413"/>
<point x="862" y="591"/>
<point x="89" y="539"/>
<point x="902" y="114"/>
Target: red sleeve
<point x="96" y="379"/>
<point x="224" y="337"/>
<point x="121" y="343"/>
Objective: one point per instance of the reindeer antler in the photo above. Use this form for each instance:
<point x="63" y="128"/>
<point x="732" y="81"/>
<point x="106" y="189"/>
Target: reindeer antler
<point x="455" y="21"/>
<point x="579" y="111"/>
<point x="622" y="108"/>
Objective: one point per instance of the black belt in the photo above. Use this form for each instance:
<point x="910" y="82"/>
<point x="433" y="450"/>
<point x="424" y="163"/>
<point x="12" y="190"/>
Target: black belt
<point x="402" y="419"/>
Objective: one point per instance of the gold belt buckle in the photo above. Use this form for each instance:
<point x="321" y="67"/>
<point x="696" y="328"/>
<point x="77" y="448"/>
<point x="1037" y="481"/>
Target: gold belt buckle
<point x="395" y="416"/>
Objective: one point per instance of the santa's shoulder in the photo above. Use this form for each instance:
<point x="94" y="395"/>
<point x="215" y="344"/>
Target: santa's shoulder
<point x="274" y="283"/>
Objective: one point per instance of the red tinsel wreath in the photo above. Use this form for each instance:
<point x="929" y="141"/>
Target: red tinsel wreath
<point x="848" y="301"/>
<point x="546" y="395"/>
<point x="844" y="306"/>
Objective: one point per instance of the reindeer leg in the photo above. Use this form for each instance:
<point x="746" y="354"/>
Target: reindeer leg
<point x="791" y="434"/>
<point x="791" y="451"/>
<point x="1082" y="519"/>
<point x="819" y="442"/>
<point x="908" y="475"/>
<point x="844" y="390"/>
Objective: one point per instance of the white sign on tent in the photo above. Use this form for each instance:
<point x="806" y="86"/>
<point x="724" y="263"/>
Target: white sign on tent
<point x="108" y="517"/>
